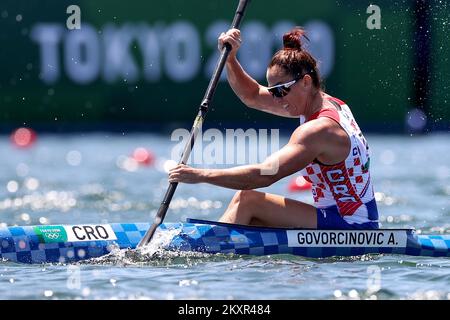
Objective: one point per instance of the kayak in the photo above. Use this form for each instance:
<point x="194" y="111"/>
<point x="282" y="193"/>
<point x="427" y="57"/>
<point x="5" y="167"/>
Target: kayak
<point x="70" y="243"/>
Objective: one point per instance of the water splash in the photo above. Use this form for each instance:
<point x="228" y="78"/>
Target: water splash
<point x="156" y="254"/>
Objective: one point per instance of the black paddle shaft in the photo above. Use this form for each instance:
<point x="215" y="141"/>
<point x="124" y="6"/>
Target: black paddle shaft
<point x="203" y="110"/>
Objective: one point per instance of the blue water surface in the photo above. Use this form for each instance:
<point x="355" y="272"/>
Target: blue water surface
<point x="90" y="178"/>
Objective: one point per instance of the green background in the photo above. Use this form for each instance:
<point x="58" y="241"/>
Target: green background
<point x="372" y="69"/>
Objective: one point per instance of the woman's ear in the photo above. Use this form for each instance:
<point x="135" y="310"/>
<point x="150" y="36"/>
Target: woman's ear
<point x="307" y="81"/>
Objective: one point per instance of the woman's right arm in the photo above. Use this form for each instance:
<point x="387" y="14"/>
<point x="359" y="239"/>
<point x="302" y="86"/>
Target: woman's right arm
<point x="244" y="86"/>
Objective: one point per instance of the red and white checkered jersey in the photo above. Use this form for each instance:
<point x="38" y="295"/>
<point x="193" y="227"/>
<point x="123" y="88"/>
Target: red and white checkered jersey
<point x="347" y="184"/>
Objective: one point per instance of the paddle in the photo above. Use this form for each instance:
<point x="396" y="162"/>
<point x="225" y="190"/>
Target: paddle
<point x="203" y="110"/>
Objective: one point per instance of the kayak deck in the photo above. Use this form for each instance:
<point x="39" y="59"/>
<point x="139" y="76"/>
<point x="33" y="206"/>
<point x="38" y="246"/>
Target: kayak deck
<point x="69" y="243"/>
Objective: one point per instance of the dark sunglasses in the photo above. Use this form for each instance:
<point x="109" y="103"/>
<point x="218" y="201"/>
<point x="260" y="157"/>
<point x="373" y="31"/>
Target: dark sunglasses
<point x="281" y="90"/>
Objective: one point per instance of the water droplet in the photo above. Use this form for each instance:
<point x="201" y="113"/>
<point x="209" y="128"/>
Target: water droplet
<point x="48" y="293"/>
<point x="74" y="158"/>
<point x="337" y="293"/>
<point x="12" y="186"/>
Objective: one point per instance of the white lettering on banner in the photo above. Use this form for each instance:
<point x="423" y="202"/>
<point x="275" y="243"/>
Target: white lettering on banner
<point x="151" y="51"/>
<point x="48" y="36"/>
<point x="248" y="53"/>
<point x="321" y="45"/>
<point x="182" y="56"/>
<point x="82" y="58"/>
<point x="119" y="64"/>
<point x="173" y="50"/>
<point x="212" y="33"/>
<point x="89" y="232"/>
<point x="278" y="30"/>
<point x="347" y="238"/>
<point x="256" y="51"/>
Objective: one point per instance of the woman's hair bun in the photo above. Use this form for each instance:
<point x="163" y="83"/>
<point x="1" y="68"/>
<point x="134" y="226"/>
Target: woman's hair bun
<point x="293" y="38"/>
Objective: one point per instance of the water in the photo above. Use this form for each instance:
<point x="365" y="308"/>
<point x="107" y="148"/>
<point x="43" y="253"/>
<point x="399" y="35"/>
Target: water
<point x="87" y="179"/>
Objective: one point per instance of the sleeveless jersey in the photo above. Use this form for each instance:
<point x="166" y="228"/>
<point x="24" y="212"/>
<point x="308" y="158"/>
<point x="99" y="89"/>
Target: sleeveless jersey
<point x="346" y="185"/>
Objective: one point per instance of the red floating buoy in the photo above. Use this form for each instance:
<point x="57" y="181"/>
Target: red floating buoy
<point x="143" y="156"/>
<point x="299" y="184"/>
<point x="23" y="137"/>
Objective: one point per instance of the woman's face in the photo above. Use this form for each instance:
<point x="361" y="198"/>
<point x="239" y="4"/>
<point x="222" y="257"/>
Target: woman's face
<point x="294" y="102"/>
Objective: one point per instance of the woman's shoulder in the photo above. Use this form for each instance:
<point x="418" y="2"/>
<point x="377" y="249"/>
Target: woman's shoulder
<point x="326" y="112"/>
<point x="319" y="126"/>
<point x="332" y="99"/>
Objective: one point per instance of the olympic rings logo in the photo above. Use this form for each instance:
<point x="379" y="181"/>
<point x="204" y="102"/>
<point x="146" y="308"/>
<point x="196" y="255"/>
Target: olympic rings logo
<point x="52" y="236"/>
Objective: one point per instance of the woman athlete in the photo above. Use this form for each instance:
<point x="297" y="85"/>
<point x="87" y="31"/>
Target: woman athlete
<point x="329" y="149"/>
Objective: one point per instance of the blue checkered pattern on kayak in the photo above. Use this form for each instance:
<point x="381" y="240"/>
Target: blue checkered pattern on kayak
<point x="199" y="235"/>
<point x="22" y="244"/>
